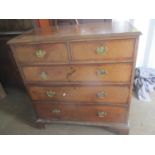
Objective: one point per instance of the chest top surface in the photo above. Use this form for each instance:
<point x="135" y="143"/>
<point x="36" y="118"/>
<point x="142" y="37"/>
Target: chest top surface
<point x="75" y="32"/>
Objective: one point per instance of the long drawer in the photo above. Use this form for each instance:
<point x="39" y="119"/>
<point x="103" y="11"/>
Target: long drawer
<point x="119" y="49"/>
<point x="41" y="53"/>
<point x="78" y="94"/>
<point x="119" y="72"/>
<point x="85" y="113"/>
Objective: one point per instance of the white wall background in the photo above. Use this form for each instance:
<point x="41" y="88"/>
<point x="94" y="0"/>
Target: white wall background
<point x="146" y="49"/>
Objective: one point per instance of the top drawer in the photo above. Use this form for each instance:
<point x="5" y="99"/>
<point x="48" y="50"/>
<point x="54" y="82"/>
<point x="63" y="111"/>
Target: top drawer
<point x="42" y="53"/>
<point x="121" y="49"/>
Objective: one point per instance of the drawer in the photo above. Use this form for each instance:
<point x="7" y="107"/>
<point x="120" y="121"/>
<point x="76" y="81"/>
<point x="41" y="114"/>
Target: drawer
<point x="85" y="113"/>
<point x="120" y="72"/>
<point x="122" y="49"/>
<point x="78" y="94"/>
<point x="42" y="53"/>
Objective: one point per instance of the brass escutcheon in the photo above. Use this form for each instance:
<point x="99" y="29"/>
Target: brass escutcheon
<point x="101" y="113"/>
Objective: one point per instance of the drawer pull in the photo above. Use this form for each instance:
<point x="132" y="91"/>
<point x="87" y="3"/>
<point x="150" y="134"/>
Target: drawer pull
<point x="56" y="111"/>
<point x="101" y="72"/>
<point x="101" y="113"/>
<point x="101" y="50"/>
<point x="50" y="93"/>
<point x="40" y="53"/>
<point x="44" y="76"/>
<point x="101" y="94"/>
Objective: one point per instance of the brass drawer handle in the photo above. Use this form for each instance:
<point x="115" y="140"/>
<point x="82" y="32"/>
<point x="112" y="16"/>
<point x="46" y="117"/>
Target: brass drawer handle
<point x="101" y="72"/>
<point x="101" y="94"/>
<point x="56" y="111"/>
<point x="40" y="53"/>
<point x="102" y="114"/>
<point x="101" y="50"/>
<point x="44" y="76"/>
<point x="50" y="93"/>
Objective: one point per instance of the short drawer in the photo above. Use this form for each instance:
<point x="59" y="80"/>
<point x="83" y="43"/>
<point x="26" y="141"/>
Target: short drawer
<point x="120" y="72"/>
<point x="82" y="113"/>
<point x="41" y="53"/>
<point x="78" y="94"/>
<point x="121" y="49"/>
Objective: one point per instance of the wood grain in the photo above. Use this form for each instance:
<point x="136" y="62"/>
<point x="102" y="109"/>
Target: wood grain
<point x="115" y="50"/>
<point x="81" y="113"/>
<point x="79" y="32"/>
<point x="77" y="94"/>
<point x="120" y="72"/>
<point x="55" y="53"/>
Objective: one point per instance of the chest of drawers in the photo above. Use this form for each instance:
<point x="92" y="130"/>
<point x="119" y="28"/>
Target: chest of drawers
<point x="79" y="74"/>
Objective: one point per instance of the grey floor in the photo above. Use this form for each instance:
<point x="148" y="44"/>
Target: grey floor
<point x="17" y="117"/>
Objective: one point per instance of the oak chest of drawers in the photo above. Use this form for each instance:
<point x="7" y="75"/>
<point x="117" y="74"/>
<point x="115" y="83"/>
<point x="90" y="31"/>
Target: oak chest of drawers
<point x="79" y="74"/>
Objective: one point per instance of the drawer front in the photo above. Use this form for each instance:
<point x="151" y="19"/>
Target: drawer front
<point x="42" y="53"/>
<point x="82" y="113"/>
<point x="89" y="94"/>
<point x="120" y="72"/>
<point x="103" y="50"/>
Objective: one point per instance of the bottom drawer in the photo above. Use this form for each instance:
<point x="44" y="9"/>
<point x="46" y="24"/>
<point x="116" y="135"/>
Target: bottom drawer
<point x="90" y="113"/>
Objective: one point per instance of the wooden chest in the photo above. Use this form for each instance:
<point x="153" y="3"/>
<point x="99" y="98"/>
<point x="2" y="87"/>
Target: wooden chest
<point x="80" y="74"/>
